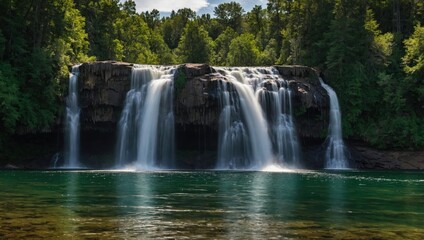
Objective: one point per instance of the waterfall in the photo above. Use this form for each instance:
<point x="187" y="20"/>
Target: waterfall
<point x="275" y="97"/>
<point x="72" y="122"/>
<point x="335" y="153"/>
<point x="146" y="127"/>
<point x="234" y="142"/>
<point x="255" y="120"/>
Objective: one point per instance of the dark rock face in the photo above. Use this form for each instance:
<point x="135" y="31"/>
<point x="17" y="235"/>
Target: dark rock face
<point x="297" y="71"/>
<point x="195" y="98"/>
<point x="370" y="158"/>
<point x="31" y="151"/>
<point x="310" y="101"/>
<point x="103" y="86"/>
<point x="196" y="110"/>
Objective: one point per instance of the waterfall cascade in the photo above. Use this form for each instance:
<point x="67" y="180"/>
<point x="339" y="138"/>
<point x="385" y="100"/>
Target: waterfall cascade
<point x="146" y="127"/>
<point x="275" y="97"/>
<point x="335" y="153"/>
<point x="256" y="128"/>
<point x="72" y="122"/>
<point x="255" y="120"/>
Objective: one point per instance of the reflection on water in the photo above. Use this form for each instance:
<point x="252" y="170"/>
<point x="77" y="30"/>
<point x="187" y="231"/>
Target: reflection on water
<point x="223" y="205"/>
<point x="337" y="210"/>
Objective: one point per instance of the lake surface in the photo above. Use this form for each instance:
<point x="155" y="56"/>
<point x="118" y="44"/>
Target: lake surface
<point x="212" y="205"/>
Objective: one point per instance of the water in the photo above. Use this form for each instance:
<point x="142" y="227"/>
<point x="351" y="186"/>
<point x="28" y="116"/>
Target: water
<point x="246" y="132"/>
<point x="256" y="127"/>
<point x="211" y="205"/>
<point x="146" y="127"/>
<point x="335" y="154"/>
<point x="72" y="122"/>
<point x="275" y="97"/>
<point x="55" y="160"/>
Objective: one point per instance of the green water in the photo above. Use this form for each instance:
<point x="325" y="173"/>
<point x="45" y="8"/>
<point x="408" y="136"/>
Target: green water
<point x="211" y="205"/>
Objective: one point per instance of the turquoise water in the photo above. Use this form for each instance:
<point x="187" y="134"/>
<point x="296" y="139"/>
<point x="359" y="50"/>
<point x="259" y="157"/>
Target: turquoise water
<point x="211" y="205"/>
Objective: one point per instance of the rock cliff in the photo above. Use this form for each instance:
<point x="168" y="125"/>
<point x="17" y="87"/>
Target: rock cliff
<point x="102" y="90"/>
<point x="103" y="87"/>
<point x="370" y="158"/>
<point x="310" y="101"/>
<point x="195" y="95"/>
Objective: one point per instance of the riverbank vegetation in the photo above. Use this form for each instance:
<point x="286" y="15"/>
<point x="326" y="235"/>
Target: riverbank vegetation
<point x="371" y="52"/>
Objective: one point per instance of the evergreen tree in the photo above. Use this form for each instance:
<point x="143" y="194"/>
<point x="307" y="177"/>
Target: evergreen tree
<point x="101" y="17"/>
<point x="152" y="18"/>
<point x="195" y="45"/>
<point x="257" y="24"/>
<point x="346" y="56"/>
<point x="211" y="25"/>
<point x="173" y="26"/>
<point x="229" y="15"/>
<point x="133" y="35"/>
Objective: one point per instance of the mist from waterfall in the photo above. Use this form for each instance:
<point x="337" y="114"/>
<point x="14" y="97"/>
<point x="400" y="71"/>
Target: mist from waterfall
<point x="255" y="127"/>
<point x="335" y="153"/>
<point x="146" y="135"/>
<point x="72" y="121"/>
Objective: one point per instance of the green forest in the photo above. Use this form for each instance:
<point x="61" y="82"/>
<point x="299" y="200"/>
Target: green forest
<point x="370" y="51"/>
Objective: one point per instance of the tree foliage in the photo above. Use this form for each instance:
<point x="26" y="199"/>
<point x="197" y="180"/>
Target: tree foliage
<point x="243" y="51"/>
<point x="195" y="45"/>
<point x="173" y="26"/>
<point x="222" y="46"/>
<point x="38" y="41"/>
<point x="414" y="66"/>
<point x="229" y="15"/>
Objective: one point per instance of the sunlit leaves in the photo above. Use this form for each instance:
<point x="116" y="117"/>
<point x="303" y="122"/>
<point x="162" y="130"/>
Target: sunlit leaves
<point x="414" y="57"/>
<point x="243" y="51"/>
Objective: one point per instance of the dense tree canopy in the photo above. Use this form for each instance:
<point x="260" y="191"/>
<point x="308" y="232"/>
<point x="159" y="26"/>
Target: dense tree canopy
<point x="243" y="51"/>
<point x="229" y="15"/>
<point x="371" y="52"/>
<point x="195" y="44"/>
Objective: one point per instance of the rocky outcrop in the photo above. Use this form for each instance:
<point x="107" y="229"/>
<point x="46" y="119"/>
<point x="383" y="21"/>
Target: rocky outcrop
<point x="196" y="110"/>
<point x="102" y="90"/>
<point x="195" y="95"/>
<point x="370" y="158"/>
<point x="310" y="100"/>
<point x="103" y="87"/>
<point x="197" y="104"/>
<point x="297" y="71"/>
